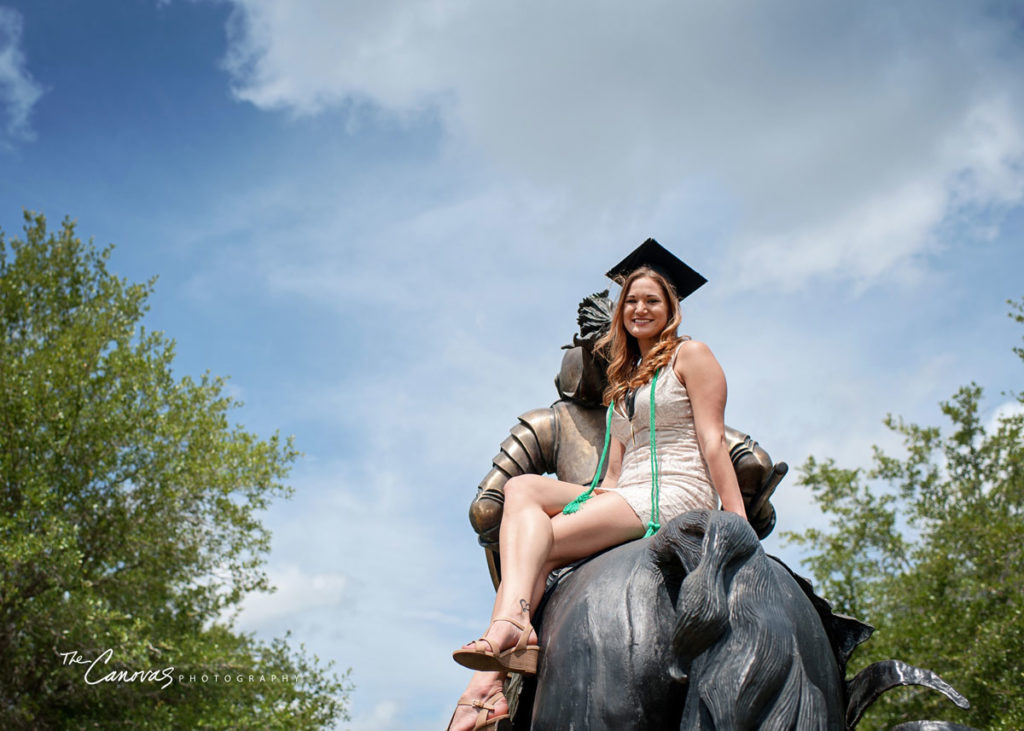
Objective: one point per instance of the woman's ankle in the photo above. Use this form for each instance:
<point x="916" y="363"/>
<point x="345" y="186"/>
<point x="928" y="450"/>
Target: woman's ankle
<point x="519" y="612"/>
<point x="484" y="684"/>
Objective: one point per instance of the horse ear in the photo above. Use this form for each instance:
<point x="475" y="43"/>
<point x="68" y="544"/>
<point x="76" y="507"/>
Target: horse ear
<point x="702" y="612"/>
<point x="676" y="549"/>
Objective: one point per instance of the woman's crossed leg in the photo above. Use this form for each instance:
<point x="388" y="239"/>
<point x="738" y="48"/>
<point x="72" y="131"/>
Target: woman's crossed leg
<point x="535" y="539"/>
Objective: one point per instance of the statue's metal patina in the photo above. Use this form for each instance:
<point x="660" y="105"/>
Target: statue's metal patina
<point x="694" y="628"/>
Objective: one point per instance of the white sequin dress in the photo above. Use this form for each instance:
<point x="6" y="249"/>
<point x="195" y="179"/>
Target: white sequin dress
<point x="684" y="481"/>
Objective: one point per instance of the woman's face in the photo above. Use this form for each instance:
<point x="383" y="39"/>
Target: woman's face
<point x="645" y="311"/>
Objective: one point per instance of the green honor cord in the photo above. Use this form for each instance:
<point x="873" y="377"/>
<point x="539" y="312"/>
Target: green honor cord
<point x="652" y="525"/>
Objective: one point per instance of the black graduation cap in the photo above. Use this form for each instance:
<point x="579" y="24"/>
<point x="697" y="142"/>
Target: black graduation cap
<point x="652" y="254"/>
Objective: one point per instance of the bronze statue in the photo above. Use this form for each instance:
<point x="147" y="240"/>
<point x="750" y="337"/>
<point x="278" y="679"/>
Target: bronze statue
<point x="687" y="666"/>
<point x="691" y="626"/>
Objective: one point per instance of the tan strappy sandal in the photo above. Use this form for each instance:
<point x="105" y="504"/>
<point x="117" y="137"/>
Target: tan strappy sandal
<point x="522" y="658"/>
<point x="483" y="723"/>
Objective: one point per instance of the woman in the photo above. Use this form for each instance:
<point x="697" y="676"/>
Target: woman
<point x="546" y="524"/>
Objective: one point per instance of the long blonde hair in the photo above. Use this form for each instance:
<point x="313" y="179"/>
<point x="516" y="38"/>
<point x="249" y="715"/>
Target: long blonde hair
<point x="622" y="350"/>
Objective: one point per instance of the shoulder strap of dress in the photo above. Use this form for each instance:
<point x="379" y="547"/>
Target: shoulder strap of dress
<point x="682" y="339"/>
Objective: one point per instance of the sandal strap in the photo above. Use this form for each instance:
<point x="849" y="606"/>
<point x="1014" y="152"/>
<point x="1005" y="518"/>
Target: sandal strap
<point x="490" y="645"/>
<point x="524" y="636"/>
<point x="493" y="699"/>
<point x="486" y="706"/>
<point x="514" y="622"/>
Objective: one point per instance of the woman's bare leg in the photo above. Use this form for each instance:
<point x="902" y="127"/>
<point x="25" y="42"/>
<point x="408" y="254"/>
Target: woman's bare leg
<point x="609" y="522"/>
<point x="536" y="538"/>
<point x="553" y="540"/>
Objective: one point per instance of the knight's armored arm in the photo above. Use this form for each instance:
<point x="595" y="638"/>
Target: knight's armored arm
<point x="529" y="449"/>
<point x="758" y="477"/>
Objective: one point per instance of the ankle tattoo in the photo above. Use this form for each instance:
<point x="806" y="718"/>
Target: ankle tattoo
<point x="525" y="606"/>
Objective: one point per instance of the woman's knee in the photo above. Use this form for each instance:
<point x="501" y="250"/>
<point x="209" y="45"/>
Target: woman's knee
<point x="523" y="491"/>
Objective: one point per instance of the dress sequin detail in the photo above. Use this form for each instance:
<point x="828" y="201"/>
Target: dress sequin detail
<point x="684" y="481"/>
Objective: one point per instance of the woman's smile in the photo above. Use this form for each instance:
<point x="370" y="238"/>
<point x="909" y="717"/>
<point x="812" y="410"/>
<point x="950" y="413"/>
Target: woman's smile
<point x="645" y="312"/>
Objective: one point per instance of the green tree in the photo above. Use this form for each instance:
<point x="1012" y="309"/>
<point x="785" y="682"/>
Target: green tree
<point x="929" y="548"/>
<point x="129" y="517"/>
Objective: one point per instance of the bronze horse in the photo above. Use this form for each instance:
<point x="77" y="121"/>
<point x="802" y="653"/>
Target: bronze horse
<point x="697" y="628"/>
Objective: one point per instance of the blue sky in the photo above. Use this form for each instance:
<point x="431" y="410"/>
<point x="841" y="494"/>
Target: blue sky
<point x="377" y="219"/>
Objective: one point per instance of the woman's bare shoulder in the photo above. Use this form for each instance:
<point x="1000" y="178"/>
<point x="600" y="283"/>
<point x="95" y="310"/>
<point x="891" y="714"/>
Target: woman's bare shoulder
<point x="689" y="345"/>
<point x="690" y="349"/>
<point x="694" y="354"/>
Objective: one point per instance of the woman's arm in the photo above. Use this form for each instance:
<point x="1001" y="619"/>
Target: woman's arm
<point x="705" y="384"/>
<point x="611" y="475"/>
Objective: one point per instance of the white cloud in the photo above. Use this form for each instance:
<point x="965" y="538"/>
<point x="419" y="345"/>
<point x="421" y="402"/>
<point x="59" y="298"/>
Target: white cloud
<point x="297" y="591"/>
<point x="18" y="90"/>
<point x="1007" y="410"/>
<point x="979" y="165"/>
<point x="845" y="136"/>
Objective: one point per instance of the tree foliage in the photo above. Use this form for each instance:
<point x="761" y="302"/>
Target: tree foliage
<point x="129" y="517"/>
<point x="929" y="548"/>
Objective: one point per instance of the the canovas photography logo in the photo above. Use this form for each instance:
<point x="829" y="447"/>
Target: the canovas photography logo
<point x="97" y="670"/>
<point x="94" y="670"/>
